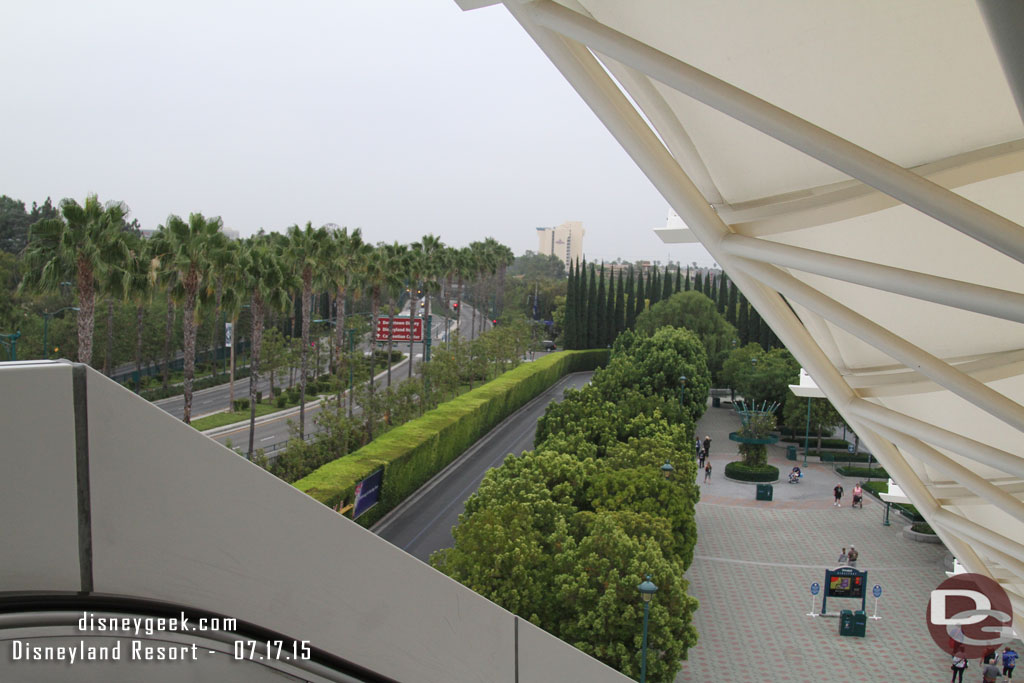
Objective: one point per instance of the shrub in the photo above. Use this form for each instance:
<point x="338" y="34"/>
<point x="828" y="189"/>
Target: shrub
<point x="241" y="404"/>
<point x="922" y="528"/>
<point x="827" y="456"/>
<point x="742" y="472"/>
<point x="869" y="472"/>
<point x="281" y="401"/>
<point x="259" y="397"/>
<point x="414" y="452"/>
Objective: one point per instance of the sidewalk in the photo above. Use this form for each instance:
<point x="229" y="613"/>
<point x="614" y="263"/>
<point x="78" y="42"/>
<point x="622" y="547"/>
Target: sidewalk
<point x="755" y="562"/>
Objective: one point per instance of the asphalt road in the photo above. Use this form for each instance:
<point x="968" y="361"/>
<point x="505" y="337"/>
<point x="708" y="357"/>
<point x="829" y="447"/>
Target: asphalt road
<point x="274" y="430"/>
<point x="424" y="522"/>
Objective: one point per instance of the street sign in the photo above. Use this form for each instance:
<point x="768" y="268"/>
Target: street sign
<point x="367" y="493"/>
<point x="849" y="447"/>
<point x="876" y="591"/>
<point x="399" y="329"/>
<point x="227" y="335"/>
<point x="815" y="588"/>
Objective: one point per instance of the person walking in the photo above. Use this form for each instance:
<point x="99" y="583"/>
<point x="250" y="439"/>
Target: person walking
<point x="1009" y="661"/>
<point x="852" y="556"/>
<point x="990" y="673"/>
<point x="703" y="457"/>
<point x="838" y="492"/>
<point x="707" y="445"/>
<point x="959" y="666"/>
<point x="843" y="558"/>
<point x="707" y="473"/>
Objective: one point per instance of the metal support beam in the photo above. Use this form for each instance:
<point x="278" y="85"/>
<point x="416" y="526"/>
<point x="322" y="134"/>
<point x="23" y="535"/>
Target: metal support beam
<point x="941" y="204"/>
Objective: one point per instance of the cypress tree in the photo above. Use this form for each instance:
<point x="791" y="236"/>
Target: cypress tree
<point x="743" y="321"/>
<point x="723" y="296"/>
<point x="698" y="283"/>
<point x="731" y="311"/>
<point x="609" y="309"/>
<point x="593" y="309"/>
<point x="666" y="287"/>
<point x="679" y="279"/>
<point x="638" y="306"/>
<point x="766" y="335"/>
<point x="754" y="325"/>
<point x="709" y="284"/>
<point x="569" y="334"/>
<point x="581" y="306"/>
<point x="620" y="308"/>
<point x="686" y="282"/>
<point x="630" y="291"/>
<point x="601" y="324"/>
<point x="654" y="286"/>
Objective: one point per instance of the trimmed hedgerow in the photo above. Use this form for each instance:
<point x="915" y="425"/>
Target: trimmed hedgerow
<point x="870" y="472"/>
<point x="739" y="470"/>
<point x="414" y="452"/>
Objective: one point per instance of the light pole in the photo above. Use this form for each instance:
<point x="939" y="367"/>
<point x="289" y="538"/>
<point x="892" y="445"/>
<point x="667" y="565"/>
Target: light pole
<point x="682" y="391"/>
<point x="11" y="342"/>
<point x="647" y="590"/>
<point x="46" y="324"/>
<point x="667" y="469"/>
<point x="807" y="432"/>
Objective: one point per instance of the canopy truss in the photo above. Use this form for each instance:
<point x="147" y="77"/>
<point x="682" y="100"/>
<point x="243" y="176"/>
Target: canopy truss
<point x="858" y="171"/>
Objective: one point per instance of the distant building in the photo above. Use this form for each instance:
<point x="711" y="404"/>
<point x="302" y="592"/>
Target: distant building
<point x="564" y="241"/>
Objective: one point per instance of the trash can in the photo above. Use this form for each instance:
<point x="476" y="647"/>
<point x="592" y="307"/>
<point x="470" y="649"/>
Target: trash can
<point x="846" y="623"/>
<point x="860" y="623"/>
<point x="716" y="402"/>
<point x="790" y="452"/>
<point x="764" y="491"/>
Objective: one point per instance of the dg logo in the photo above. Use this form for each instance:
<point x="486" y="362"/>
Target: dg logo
<point x="970" y="613"/>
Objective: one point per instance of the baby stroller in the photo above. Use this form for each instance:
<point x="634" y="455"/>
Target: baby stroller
<point x="795" y="475"/>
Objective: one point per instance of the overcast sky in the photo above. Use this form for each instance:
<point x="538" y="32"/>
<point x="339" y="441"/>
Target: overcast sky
<point x="400" y="117"/>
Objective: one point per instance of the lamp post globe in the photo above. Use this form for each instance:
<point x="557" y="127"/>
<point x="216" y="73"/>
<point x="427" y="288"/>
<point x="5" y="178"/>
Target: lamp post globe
<point x="667" y="470"/>
<point x="647" y="590"/>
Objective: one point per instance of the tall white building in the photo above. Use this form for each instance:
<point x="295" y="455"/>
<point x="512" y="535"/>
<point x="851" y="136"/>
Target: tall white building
<point x="564" y="241"/>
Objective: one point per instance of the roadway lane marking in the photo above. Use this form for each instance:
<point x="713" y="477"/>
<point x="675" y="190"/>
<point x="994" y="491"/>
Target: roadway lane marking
<point x="267" y="438"/>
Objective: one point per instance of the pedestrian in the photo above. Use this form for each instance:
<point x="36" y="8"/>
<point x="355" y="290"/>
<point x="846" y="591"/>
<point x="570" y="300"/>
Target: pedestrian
<point x="959" y="666"/>
<point x="990" y="672"/>
<point x="858" y="496"/>
<point x="699" y="448"/>
<point x="707" y="445"/>
<point x="703" y="457"/>
<point x="838" y="492"/>
<point x="842" y="557"/>
<point x="707" y="473"/>
<point x="1009" y="661"/>
<point x="852" y="556"/>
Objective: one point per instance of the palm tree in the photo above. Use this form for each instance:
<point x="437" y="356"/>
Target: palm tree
<point x="342" y="269"/>
<point x="138" y="285"/>
<point x="233" y="292"/>
<point x="268" y="284"/>
<point x="76" y="247"/>
<point x="187" y="250"/>
<point x="464" y="268"/>
<point x="304" y="253"/>
<point x="434" y="266"/>
<point x="395" y="274"/>
<point x="415" y="264"/>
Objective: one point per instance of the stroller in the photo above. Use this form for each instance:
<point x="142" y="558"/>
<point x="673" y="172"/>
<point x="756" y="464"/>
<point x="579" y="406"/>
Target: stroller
<point x="858" y="497"/>
<point x="795" y="475"/>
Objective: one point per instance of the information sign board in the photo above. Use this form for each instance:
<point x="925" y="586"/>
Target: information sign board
<point x="399" y="329"/>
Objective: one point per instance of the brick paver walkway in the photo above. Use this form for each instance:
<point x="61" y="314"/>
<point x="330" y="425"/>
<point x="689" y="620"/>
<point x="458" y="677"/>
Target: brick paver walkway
<point x="755" y="562"/>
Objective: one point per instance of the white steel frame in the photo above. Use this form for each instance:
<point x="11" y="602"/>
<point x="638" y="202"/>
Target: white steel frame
<point x="571" y="39"/>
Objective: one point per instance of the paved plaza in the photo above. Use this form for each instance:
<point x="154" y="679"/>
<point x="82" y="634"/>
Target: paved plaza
<point x="755" y="562"/>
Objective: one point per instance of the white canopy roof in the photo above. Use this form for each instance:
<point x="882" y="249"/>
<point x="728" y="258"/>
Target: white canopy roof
<point x="858" y="170"/>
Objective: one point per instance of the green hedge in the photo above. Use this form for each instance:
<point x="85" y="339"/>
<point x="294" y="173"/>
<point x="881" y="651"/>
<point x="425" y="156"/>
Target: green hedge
<point x="414" y="452"/>
<point x="737" y="470"/>
<point x="833" y="456"/>
<point x="876" y="487"/>
<point x="825" y="443"/>
<point x="870" y="472"/>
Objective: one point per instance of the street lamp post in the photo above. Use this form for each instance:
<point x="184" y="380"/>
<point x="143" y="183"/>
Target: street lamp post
<point x="11" y="342"/>
<point x="682" y="390"/>
<point x="46" y="324"/>
<point x="647" y="590"/>
<point x="807" y="432"/>
<point x="667" y="469"/>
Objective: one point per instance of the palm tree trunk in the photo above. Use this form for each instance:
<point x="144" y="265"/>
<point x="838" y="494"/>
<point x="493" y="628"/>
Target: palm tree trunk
<point x="391" y="336"/>
<point x="86" y="316"/>
<point x="139" y="311"/>
<point x="307" y="292"/>
<point x="231" y="380"/>
<point x="189" y="324"/>
<point x="412" y="316"/>
<point x="108" y="356"/>
<point x="168" y="332"/>
<point x="458" y="305"/>
<point x="254" y="367"/>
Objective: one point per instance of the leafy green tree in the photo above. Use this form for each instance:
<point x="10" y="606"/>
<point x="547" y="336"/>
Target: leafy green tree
<point x="757" y="425"/>
<point x="823" y="415"/>
<point x="697" y="313"/>
<point x="538" y="267"/>
<point x="761" y="377"/>
<point x="698" y="282"/>
<point x="593" y="308"/>
<point x="640" y="303"/>
<point x="743" y="321"/>
<point x="619" y="313"/>
<point x="686" y="282"/>
<point x="666" y="289"/>
<point x="569" y="334"/>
